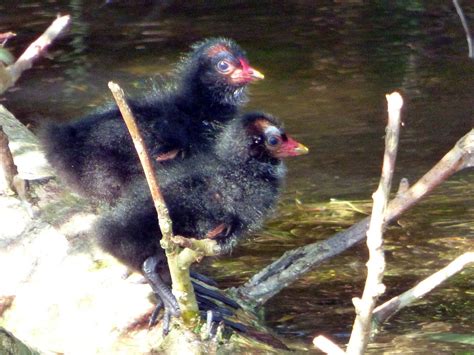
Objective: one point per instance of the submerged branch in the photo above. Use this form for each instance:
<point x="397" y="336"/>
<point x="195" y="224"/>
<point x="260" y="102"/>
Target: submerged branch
<point x="361" y="330"/>
<point x="383" y="312"/>
<point x="295" y="263"/>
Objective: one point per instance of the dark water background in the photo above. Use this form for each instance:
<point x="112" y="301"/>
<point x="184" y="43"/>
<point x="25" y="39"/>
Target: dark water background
<point x="328" y="66"/>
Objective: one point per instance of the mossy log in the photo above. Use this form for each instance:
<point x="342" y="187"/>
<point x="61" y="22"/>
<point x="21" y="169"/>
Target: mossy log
<point x="61" y="294"/>
<point x="10" y="345"/>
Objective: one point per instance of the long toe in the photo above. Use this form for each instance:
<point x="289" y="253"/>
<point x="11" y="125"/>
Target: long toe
<point x="215" y="295"/>
<point x="166" y="322"/>
<point x="206" y="304"/>
<point x="156" y="312"/>
<point x="170" y="309"/>
<point x="203" y="278"/>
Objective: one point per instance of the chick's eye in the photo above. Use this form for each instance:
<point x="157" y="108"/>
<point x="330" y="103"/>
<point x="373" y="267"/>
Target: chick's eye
<point x="223" y="66"/>
<point x="273" y="141"/>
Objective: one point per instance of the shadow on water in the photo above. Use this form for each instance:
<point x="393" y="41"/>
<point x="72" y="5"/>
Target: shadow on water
<point x="328" y="66"/>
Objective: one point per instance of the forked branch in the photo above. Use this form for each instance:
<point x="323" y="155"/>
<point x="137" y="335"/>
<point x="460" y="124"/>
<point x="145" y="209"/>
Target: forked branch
<point x="362" y="328"/>
<point x="295" y="263"/>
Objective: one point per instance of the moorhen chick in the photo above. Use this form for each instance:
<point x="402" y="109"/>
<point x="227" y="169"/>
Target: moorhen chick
<point x="95" y="155"/>
<point x="222" y="194"/>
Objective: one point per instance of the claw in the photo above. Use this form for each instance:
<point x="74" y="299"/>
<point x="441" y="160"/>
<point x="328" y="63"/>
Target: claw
<point x="209" y="322"/>
<point x="204" y="295"/>
<point x="217" y="318"/>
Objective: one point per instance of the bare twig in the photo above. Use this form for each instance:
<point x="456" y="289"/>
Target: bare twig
<point x="295" y="263"/>
<point x="166" y="225"/>
<point x="178" y="261"/>
<point x="383" y="312"/>
<point x="34" y="51"/>
<point x="466" y="28"/>
<point x="361" y="330"/>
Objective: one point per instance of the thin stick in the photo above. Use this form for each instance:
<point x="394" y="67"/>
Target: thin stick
<point x="361" y="330"/>
<point x="35" y="50"/>
<point x="295" y="263"/>
<point x="383" y="312"/>
<point x="178" y="261"/>
<point x="166" y="225"/>
<point x="466" y="28"/>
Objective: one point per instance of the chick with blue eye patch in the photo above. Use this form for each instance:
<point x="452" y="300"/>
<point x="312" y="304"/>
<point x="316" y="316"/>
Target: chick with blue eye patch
<point x="95" y="155"/>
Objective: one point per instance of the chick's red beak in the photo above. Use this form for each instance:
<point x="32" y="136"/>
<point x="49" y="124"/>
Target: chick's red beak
<point x="290" y="148"/>
<point x="246" y="74"/>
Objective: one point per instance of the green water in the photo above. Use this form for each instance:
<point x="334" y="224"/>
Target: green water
<point x="328" y="66"/>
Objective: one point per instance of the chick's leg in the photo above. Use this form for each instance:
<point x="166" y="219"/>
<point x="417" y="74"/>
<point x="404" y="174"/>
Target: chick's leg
<point x="150" y="270"/>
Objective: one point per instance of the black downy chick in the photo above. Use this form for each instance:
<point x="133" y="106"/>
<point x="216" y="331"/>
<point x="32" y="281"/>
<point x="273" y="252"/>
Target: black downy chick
<point x="95" y="155"/>
<point x="224" y="194"/>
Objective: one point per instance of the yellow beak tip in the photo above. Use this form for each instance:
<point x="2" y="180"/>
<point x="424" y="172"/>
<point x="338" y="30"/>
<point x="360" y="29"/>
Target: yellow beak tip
<point x="257" y="75"/>
<point x="303" y="149"/>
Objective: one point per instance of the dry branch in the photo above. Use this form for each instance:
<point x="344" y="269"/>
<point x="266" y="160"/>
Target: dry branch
<point x="178" y="261"/>
<point x="166" y="225"/>
<point x="33" y="52"/>
<point x="295" y="263"/>
<point x="361" y="330"/>
<point x="383" y="312"/>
